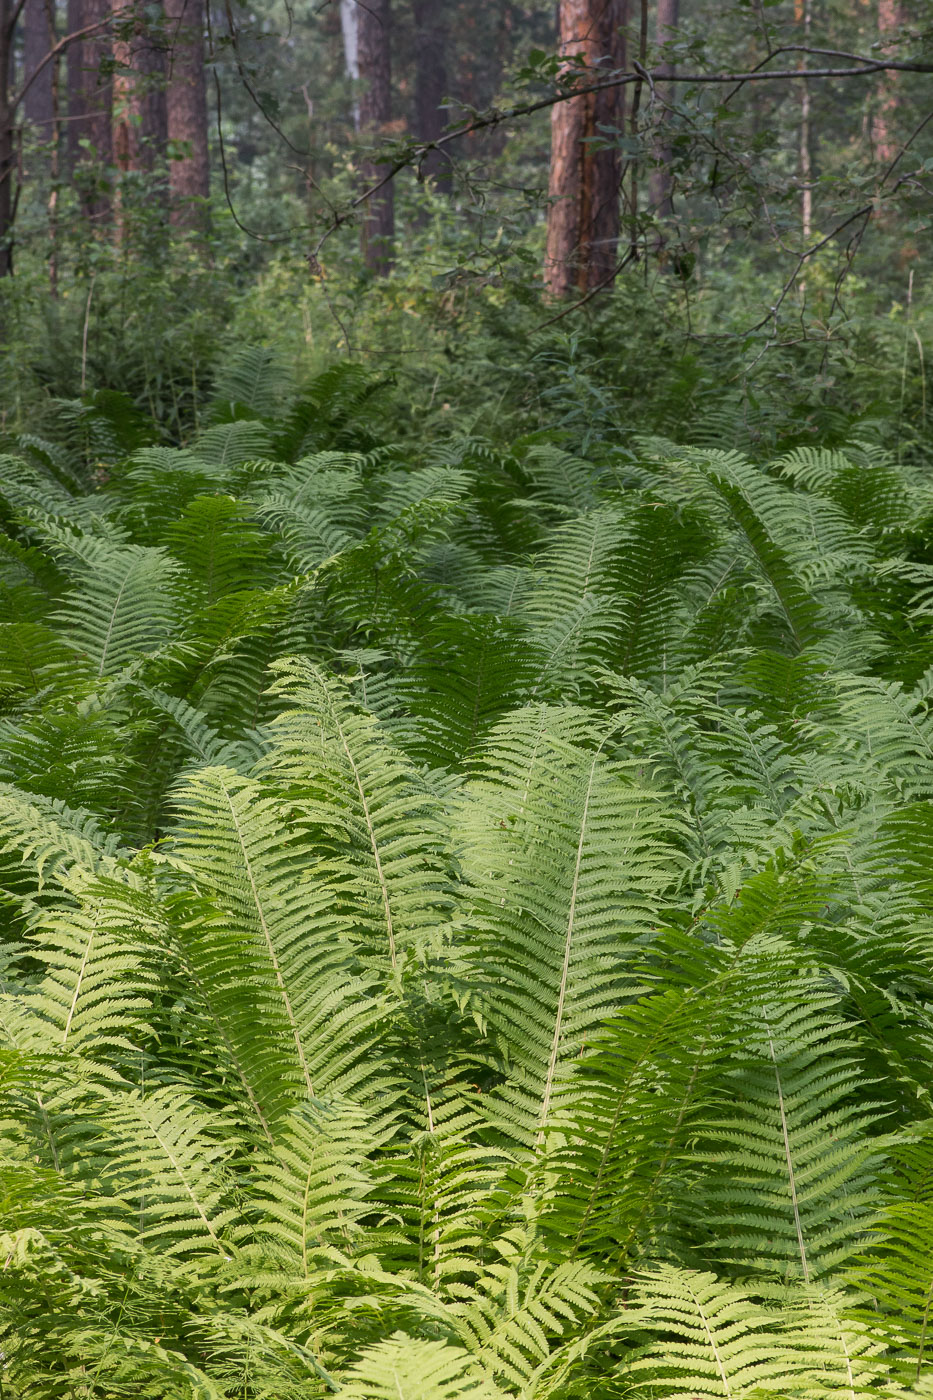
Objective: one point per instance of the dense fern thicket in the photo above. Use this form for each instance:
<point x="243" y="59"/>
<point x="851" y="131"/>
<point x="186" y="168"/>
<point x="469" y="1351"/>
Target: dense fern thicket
<point x="468" y="915"/>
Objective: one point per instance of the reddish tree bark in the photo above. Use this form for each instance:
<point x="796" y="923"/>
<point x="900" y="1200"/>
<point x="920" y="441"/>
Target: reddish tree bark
<point x="38" y="38"/>
<point x="375" y="114"/>
<point x="139" y="117"/>
<point x="90" y="99"/>
<point x="660" y="183"/>
<point x="583" y="218"/>
<point x="431" y="84"/>
<point x="884" y="122"/>
<point x="186" y="104"/>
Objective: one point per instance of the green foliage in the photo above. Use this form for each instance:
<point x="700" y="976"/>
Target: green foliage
<point x="466" y="914"/>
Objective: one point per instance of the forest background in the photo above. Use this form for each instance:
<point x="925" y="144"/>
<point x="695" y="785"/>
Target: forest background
<point x="175" y="180"/>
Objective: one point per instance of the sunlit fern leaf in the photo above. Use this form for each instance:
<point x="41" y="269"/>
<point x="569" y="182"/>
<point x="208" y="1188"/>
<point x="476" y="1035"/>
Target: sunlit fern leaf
<point x="252" y="383"/>
<point x="228" y="1002"/>
<point x="99" y="978"/>
<point x="284" y="957"/>
<point x="406" y="1368"/>
<point x="56" y="1324"/>
<point x="313" y="1189"/>
<point x="161" y="1155"/>
<point x="567" y="861"/>
<point x="522" y="1310"/>
<point x="122" y="603"/>
<point x="641" y="1084"/>
<point x="386" y="868"/>
<point x="787" y="1161"/>
<point x="714" y="1342"/>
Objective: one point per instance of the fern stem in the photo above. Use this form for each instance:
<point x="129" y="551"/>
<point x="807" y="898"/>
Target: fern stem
<point x="790" y="1165"/>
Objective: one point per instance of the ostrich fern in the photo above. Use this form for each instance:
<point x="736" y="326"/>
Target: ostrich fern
<point x="466" y="920"/>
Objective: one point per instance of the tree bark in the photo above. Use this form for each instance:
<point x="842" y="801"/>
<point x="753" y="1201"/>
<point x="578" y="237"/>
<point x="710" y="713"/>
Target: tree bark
<point x="884" y="122"/>
<point x="140" y="124"/>
<point x="139" y="119"/>
<point x="38" y="38"/>
<point x="375" y="114"/>
<point x="90" y="99"/>
<point x="431" y="85"/>
<point x="583" y="218"/>
<point x="7" y="159"/>
<point x="186" y="103"/>
<point x="660" y="184"/>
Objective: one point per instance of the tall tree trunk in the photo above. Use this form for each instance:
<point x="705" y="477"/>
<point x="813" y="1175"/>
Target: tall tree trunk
<point x="38" y="38"/>
<point x="884" y="122"/>
<point x="139" y="119"/>
<point x="583" y="218"/>
<point x="7" y="157"/>
<point x="803" y="14"/>
<point x="350" y="29"/>
<point x="139" y="107"/>
<point x="375" y="113"/>
<point x="90" y="100"/>
<point x="431" y="85"/>
<point x="660" y="184"/>
<point x="186" y="103"/>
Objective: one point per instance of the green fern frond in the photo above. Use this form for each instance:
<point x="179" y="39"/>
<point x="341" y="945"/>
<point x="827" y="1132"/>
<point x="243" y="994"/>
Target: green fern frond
<point x="405" y="1368"/>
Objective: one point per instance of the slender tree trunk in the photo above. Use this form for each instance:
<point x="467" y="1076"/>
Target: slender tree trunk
<point x="884" y="121"/>
<point x="7" y="154"/>
<point x="139" y="107"/>
<point x="375" y="114"/>
<point x="583" y="219"/>
<point x="90" y="99"/>
<point x="661" y="184"/>
<point x="186" y="103"/>
<point x="804" y="15"/>
<point x="431" y="85"/>
<point x="38" y="38"/>
<point x="350" y="29"/>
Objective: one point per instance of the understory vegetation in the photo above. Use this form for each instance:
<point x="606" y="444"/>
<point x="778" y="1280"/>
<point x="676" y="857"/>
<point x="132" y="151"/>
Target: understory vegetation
<point x="468" y="899"/>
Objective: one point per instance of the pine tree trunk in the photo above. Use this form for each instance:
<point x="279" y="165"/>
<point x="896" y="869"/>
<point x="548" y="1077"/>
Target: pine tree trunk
<point x="583" y="219"/>
<point x="884" y="121"/>
<point x="140" y="125"/>
<point x="38" y="38"/>
<point x="186" y="103"/>
<point x="7" y="162"/>
<point x="660" y="184"/>
<point x="375" y="113"/>
<point x="90" y="99"/>
<point x="431" y="85"/>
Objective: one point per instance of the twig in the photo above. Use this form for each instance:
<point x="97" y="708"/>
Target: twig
<point x="630" y="256"/>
